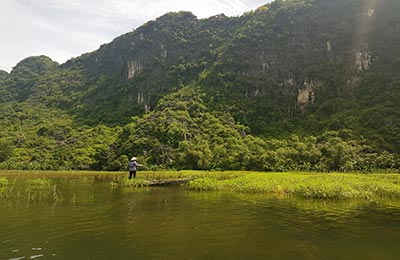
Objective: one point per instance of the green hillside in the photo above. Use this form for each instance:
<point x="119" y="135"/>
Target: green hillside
<point x="293" y="85"/>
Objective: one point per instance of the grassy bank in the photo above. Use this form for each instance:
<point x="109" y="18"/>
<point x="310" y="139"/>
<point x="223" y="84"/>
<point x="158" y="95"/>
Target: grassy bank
<point x="3" y="181"/>
<point x="333" y="186"/>
<point x="145" y="178"/>
<point x="311" y="185"/>
<point x="161" y="174"/>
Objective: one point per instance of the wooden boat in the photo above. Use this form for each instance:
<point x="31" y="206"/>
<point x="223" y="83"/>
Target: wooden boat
<point x="169" y="182"/>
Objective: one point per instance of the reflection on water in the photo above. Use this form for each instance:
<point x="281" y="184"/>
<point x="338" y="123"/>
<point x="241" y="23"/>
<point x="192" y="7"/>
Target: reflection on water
<point x="96" y="221"/>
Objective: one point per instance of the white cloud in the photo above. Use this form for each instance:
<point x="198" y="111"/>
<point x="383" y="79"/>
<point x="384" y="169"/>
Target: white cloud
<point x="64" y="29"/>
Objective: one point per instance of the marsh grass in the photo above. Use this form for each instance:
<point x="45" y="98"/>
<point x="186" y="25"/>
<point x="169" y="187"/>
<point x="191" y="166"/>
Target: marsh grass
<point x="136" y="182"/>
<point x="309" y="185"/>
<point x="57" y="196"/>
<point x="3" y="182"/>
<point x="4" y="188"/>
<point x="145" y="178"/>
<point x="38" y="182"/>
<point x="162" y="174"/>
<point x="35" y="190"/>
<point x="33" y="195"/>
<point x="326" y="186"/>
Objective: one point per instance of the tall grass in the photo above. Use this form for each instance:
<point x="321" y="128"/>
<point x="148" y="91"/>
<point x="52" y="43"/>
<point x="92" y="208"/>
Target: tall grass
<point x="39" y="182"/>
<point x="162" y="175"/>
<point x="146" y="177"/>
<point x="36" y="190"/>
<point x="141" y="174"/>
<point x="327" y="186"/>
<point x="311" y="185"/>
<point x="136" y="182"/>
<point x="3" y="182"/>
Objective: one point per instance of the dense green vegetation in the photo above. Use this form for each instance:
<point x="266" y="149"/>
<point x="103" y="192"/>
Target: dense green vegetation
<point x="324" y="186"/>
<point x="308" y="185"/>
<point x="294" y="85"/>
<point x="313" y="186"/>
<point x="39" y="182"/>
<point x="3" y="182"/>
<point x="182" y="133"/>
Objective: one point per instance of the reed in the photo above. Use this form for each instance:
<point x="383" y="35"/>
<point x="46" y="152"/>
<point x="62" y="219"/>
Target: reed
<point x="326" y="186"/>
<point x="57" y="196"/>
<point x="36" y="190"/>
<point x="146" y="177"/>
<point x="137" y="182"/>
<point x="3" y="182"/>
<point x="310" y="185"/>
<point x="39" y="182"/>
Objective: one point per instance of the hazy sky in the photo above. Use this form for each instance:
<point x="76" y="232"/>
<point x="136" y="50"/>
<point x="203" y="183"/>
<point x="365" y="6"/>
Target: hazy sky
<point x="62" y="29"/>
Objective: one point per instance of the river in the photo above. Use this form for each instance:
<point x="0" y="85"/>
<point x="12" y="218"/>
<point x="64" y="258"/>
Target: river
<point x="87" y="218"/>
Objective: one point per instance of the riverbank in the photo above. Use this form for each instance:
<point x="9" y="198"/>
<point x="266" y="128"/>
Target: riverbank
<point x="328" y="186"/>
<point x="309" y="185"/>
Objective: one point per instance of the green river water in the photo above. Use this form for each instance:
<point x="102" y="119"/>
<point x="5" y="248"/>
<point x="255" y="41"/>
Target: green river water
<point x="93" y="220"/>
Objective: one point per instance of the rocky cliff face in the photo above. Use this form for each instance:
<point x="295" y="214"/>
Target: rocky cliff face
<point x="287" y="53"/>
<point x="140" y="67"/>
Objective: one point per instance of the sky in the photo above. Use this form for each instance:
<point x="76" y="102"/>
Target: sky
<point x="62" y="29"/>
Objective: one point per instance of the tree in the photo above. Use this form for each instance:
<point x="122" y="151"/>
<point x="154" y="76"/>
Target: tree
<point x="6" y="151"/>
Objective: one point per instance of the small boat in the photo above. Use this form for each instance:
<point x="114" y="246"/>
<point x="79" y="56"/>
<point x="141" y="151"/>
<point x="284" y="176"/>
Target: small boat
<point x="170" y="182"/>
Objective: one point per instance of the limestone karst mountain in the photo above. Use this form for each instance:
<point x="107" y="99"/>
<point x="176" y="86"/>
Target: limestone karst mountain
<point x="300" y="67"/>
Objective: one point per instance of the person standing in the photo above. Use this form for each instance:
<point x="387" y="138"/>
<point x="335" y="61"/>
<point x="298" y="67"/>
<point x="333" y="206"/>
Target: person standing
<point x="132" y="166"/>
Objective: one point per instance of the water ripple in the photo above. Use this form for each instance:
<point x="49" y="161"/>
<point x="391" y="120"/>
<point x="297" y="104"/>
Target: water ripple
<point x="171" y="223"/>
